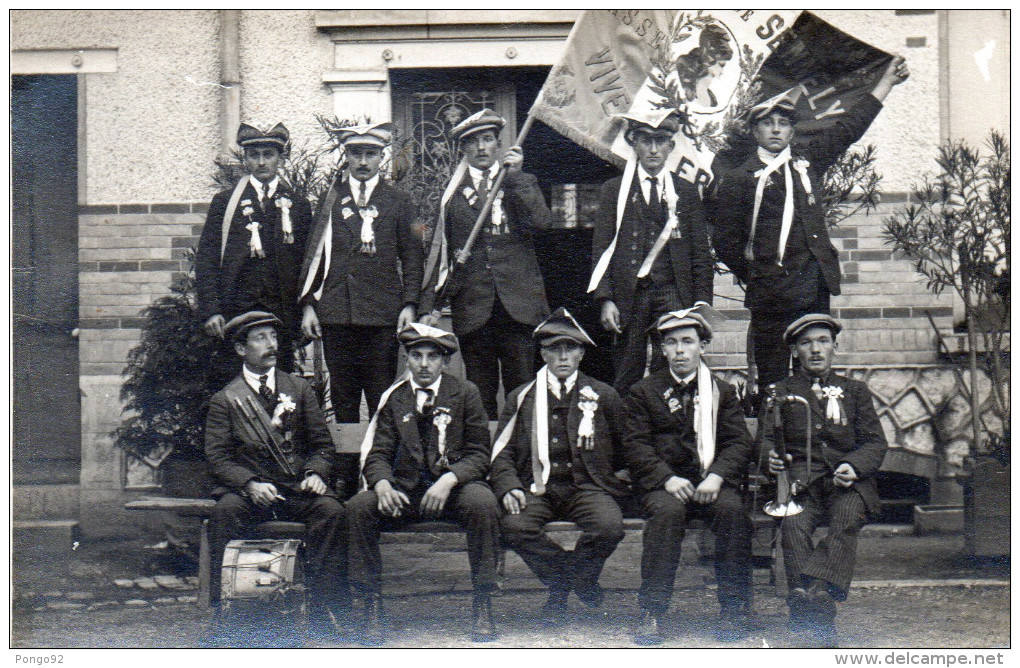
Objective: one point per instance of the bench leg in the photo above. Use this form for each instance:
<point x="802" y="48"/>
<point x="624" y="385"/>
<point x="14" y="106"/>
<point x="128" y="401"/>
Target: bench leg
<point x="204" y="566"/>
<point x="779" y="567"/>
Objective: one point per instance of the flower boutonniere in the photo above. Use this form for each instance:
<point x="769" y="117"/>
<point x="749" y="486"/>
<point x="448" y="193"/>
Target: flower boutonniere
<point x="441" y="418"/>
<point x="368" y="215"/>
<point x="800" y="165"/>
<point x="672" y="402"/>
<point x="283" y="412"/>
<point x="284" y="203"/>
<point x="834" y="409"/>
<point x="470" y="195"/>
<point x="588" y="404"/>
<point x="347" y="212"/>
<point x="253" y="226"/>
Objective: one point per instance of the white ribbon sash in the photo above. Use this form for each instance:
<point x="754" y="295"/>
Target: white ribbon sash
<point x="706" y="410"/>
<point x="438" y="251"/>
<point x="539" y="430"/>
<point x="366" y="443"/>
<point x="228" y="215"/>
<point x="781" y="160"/>
<point x="621" y="204"/>
<point x="667" y="229"/>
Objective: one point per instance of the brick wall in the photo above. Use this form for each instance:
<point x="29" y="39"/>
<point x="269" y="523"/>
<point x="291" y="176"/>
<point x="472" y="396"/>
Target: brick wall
<point x="882" y="307"/>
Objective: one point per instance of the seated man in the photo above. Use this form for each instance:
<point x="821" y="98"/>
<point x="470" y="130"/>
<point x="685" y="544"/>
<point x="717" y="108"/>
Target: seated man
<point x="270" y="450"/>
<point x="555" y="458"/>
<point x="688" y="451"/>
<point x="425" y="456"/>
<point x="847" y="448"/>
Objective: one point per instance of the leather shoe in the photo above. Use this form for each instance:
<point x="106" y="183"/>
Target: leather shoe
<point x="800" y="610"/>
<point x="591" y="596"/>
<point x="733" y="626"/>
<point x="822" y="603"/>
<point x="483" y="626"/>
<point x="372" y="633"/>
<point x="648" y="632"/>
<point x="555" y="608"/>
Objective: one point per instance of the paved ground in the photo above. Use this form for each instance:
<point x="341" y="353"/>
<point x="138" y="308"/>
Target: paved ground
<point x="910" y="591"/>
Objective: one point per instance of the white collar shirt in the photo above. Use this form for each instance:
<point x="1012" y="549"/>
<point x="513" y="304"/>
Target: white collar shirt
<point x="370" y="185"/>
<point x="419" y="397"/>
<point x="258" y="187"/>
<point x="568" y="384"/>
<point x="646" y="185"/>
<point x="252" y="378"/>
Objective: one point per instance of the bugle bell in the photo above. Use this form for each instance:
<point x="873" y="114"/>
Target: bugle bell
<point x="784" y="504"/>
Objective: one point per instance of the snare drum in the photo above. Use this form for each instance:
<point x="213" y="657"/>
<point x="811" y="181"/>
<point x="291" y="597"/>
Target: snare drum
<point x="260" y="569"/>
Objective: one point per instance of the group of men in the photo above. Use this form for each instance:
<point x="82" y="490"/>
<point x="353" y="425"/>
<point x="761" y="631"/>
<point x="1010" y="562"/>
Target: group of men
<point x="270" y="274"/>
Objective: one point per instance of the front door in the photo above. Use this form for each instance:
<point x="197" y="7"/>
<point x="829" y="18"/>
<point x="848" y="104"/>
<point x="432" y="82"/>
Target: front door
<point x="44" y="203"/>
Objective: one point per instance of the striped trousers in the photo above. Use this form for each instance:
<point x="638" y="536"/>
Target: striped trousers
<point x="833" y="558"/>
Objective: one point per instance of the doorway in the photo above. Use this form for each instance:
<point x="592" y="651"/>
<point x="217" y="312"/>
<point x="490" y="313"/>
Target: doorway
<point x="44" y="204"/>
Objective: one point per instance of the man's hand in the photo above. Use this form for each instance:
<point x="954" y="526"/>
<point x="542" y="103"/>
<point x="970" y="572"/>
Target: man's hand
<point x="514" y="501"/>
<point x="406" y="317"/>
<point x="708" y="490"/>
<point x="514" y="159"/>
<point x="681" y="488"/>
<point x="895" y="74"/>
<point x="391" y="501"/>
<point x="314" y="484"/>
<point x="776" y="464"/>
<point x="262" y="494"/>
<point x="214" y="326"/>
<point x="310" y="323"/>
<point x="434" y="501"/>
<point x="844" y="476"/>
<point x="610" y="317"/>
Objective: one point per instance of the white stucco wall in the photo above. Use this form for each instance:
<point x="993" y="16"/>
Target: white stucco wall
<point x="283" y="58"/>
<point x="906" y="133"/>
<point x="150" y="132"/>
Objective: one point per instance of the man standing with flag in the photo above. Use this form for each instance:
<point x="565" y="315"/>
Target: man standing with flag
<point x="555" y="458"/>
<point x="361" y="276"/>
<point x="768" y="223"/>
<point x="498" y="295"/>
<point x="688" y="451"/>
<point x="650" y="246"/>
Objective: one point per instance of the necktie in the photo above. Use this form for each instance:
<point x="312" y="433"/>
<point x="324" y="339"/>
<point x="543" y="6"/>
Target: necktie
<point x="264" y="391"/>
<point x="483" y="186"/>
<point x="653" y="196"/>
<point x="265" y="193"/>
<point x="426" y="403"/>
<point x="816" y="387"/>
<point x="362" y="200"/>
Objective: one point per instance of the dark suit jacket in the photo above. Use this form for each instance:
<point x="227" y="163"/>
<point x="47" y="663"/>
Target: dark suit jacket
<point x="397" y="454"/>
<point x="504" y="265"/>
<point x="658" y="445"/>
<point x="690" y="255"/>
<point x="217" y="284"/>
<point x="861" y="442"/>
<point x="235" y="461"/>
<point x="731" y="202"/>
<point x="512" y="467"/>
<point x="365" y="289"/>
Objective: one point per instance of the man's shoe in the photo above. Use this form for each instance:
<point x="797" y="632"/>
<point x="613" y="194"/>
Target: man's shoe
<point x="591" y="596"/>
<point x="733" y="626"/>
<point x="483" y="626"/>
<point x="800" y="610"/>
<point x="372" y="633"/>
<point x="555" y="608"/>
<point x="822" y="604"/>
<point x="648" y="632"/>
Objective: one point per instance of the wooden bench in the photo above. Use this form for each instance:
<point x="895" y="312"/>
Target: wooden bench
<point x="348" y="439"/>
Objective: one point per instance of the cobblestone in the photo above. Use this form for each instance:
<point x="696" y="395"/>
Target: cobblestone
<point x="64" y="605"/>
<point x="170" y="582"/>
<point x="124" y="583"/>
<point x="163" y="600"/>
<point x="80" y="595"/>
<point x="134" y="602"/>
<point x="146" y="583"/>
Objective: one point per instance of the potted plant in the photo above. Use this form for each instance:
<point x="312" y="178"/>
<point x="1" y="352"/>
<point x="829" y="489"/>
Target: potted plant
<point x="957" y="232"/>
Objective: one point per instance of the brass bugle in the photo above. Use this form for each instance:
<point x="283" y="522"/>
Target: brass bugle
<point x="785" y="505"/>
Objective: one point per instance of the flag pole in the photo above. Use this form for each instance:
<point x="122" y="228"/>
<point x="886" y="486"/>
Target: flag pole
<point x="464" y="253"/>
